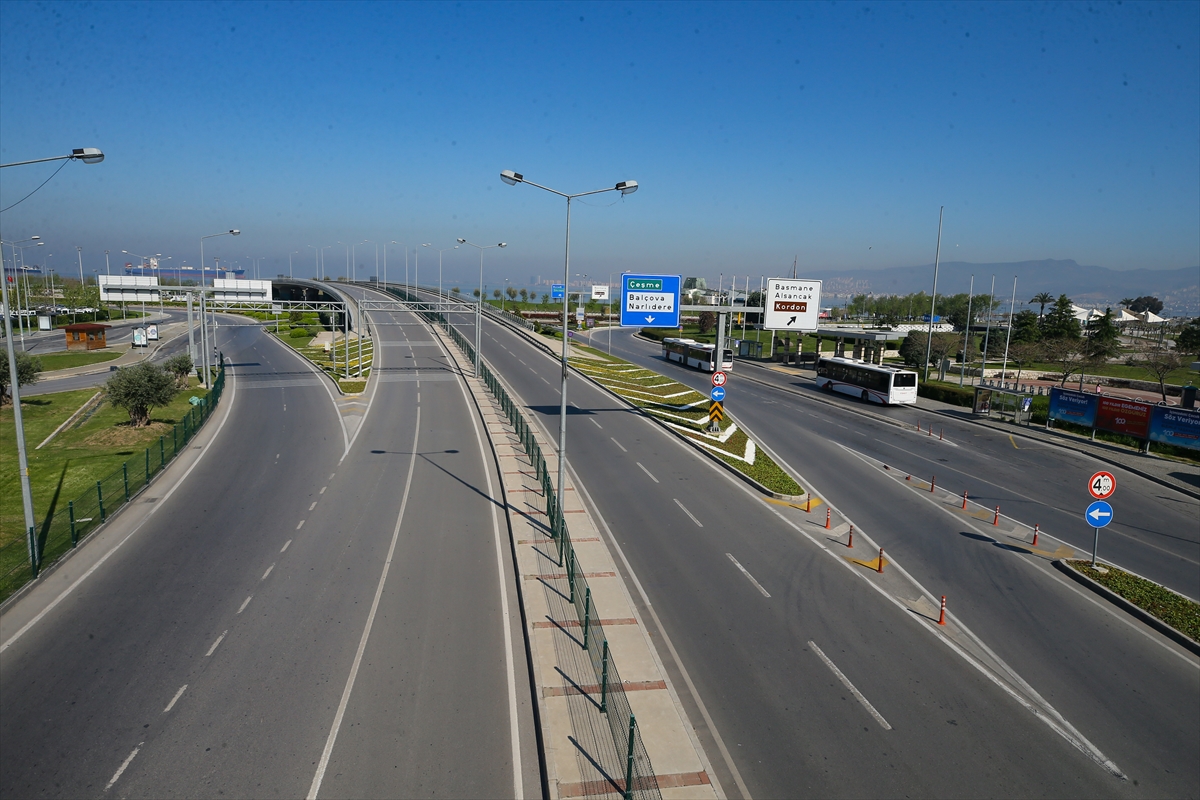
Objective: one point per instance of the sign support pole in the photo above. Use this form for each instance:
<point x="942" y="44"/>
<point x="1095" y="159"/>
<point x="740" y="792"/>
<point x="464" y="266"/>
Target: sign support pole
<point x="1095" y="544"/>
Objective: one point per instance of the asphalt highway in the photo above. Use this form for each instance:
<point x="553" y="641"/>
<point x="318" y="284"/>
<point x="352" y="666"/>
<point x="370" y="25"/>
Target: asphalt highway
<point x="303" y="616"/>
<point x="789" y="725"/>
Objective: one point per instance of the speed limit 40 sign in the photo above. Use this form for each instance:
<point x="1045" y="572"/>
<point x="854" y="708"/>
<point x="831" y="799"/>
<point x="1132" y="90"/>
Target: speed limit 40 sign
<point x="1102" y="485"/>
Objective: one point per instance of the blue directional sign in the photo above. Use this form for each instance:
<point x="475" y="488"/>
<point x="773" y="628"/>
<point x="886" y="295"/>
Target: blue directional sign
<point x="557" y="291"/>
<point x="1098" y="514"/>
<point x="650" y="300"/>
<point x="717" y="393"/>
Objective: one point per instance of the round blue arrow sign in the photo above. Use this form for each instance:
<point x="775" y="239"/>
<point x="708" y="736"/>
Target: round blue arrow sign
<point x="1098" y="514"/>
<point x="717" y="393"/>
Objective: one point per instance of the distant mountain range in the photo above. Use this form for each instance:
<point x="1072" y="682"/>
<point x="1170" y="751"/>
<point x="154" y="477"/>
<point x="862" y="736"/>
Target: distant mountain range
<point x="1179" y="289"/>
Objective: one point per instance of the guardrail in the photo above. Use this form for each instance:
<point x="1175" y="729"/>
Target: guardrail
<point x="23" y="559"/>
<point x="627" y="738"/>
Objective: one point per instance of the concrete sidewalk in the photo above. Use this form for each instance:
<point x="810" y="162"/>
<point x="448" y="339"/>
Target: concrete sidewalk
<point x="580" y="757"/>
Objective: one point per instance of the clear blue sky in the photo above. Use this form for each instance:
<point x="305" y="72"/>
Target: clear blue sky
<point x="756" y="131"/>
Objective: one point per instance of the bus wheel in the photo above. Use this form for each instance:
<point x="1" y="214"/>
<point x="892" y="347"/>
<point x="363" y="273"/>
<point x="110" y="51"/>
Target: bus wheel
<point x="866" y="397"/>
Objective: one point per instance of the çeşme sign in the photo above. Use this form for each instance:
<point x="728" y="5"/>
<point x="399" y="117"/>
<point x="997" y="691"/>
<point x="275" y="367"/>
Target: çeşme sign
<point x="1071" y="406"/>
<point x="1175" y="426"/>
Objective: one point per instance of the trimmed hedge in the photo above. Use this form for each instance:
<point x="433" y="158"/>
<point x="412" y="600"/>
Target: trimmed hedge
<point x="300" y="333"/>
<point x="947" y="393"/>
<point x="658" y="334"/>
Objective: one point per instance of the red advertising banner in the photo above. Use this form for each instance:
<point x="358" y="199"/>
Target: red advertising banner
<point x="1123" y="416"/>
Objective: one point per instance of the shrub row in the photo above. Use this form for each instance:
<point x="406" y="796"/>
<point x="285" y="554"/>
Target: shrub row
<point x="947" y="393"/>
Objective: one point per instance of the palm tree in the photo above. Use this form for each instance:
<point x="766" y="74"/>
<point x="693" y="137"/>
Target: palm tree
<point x="1042" y="299"/>
<point x="1125" y="302"/>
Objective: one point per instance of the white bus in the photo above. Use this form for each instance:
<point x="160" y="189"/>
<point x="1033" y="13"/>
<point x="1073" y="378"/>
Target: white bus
<point x="691" y="353"/>
<point x="868" y="382"/>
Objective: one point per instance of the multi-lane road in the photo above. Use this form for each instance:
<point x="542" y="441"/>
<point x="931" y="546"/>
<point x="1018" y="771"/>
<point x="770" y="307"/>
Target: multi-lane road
<point x="305" y="615"/>
<point x="326" y="605"/>
<point x="788" y="725"/>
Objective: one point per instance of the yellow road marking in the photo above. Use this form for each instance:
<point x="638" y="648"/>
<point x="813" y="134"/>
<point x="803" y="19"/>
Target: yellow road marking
<point x="1014" y="442"/>
<point x="872" y="564"/>
<point x="816" y="501"/>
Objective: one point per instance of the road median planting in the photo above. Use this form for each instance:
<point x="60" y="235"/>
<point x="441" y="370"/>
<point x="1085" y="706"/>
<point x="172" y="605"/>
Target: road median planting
<point x="1180" y="614"/>
<point x="684" y="411"/>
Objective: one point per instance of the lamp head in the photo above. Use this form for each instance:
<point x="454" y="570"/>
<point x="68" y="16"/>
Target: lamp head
<point x="88" y="155"/>
<point x="34" y="238"/>
<point x="627" y="187"/>
<point x="236" y="232"/>
<point x="502" y="244"/>
<point x="461" y="241"/>
<point x="510" y="177"/>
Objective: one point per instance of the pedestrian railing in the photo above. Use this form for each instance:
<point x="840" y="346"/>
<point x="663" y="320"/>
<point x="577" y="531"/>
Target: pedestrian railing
<point x="637" y="772"/>
<point x="23" y="559"/>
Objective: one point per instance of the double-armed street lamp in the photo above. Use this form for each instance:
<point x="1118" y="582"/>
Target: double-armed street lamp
<point x="478" y="305"/>
<point x="203" y="317"/>
<point x="624" y="187"/>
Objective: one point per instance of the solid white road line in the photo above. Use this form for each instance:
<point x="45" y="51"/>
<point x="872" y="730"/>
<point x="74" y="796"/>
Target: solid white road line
<point x="268" y="572"/>
<point x="182" y="478"/>
<point x="178" y="695"/>
<point x="362" y="644"/>
<point x="846" y="682"/>
<point x="285" y="545"/>
<point x="245" y="603"/>
<point x="212" y="649"/>
<point x="124" y="764"/>
<point x="618" y="444"/>
<point x="746" y="572"/>
<point x="514" y="731"/>
<point x="699" y="524"/>
<point x="647" y="472"/>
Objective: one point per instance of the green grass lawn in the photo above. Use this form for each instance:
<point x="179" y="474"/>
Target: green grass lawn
<point x="53" y="361"/>
<point x="79" y="456"/>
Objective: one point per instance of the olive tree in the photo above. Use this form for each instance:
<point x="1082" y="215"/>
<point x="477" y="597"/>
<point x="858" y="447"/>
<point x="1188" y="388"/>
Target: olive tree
<point x="140" y="388"/>
<point x="29" y="369"/>
<point x="180" y="366"/>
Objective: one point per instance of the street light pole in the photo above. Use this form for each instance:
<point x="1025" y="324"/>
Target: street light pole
<point x="624" y="187"/>
<point x="203" y="315"/>
<point x="15" y="390"/>
<point x="479" y="305"/>
<point x="933" y="302"/>
<point x="439" y="252"/>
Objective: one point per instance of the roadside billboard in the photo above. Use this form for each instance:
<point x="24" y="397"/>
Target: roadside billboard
<point x="1123" y="416"/>
<point x="1175" y="426"/>
<point x="1067" y="405"/>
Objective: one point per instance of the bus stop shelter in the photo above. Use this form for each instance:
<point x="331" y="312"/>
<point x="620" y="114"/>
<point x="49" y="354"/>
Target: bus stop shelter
<point x="1003" y="403"/>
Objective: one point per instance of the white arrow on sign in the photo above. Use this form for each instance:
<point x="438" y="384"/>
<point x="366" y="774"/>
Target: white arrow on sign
<point x="649" y="319"/>
<point x="1097" y="513"/>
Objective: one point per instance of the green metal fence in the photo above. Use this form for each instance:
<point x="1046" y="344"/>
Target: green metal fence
<point x="636" y="773"/>
<point x="22" y="560"/>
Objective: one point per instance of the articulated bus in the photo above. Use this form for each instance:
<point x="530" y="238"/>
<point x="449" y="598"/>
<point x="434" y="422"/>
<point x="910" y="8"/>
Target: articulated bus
<point x="868" y="382"/>
<point x="691" y="353"/>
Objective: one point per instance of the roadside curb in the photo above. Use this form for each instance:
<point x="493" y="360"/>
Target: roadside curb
<point x="1063" y="445"/>
<point x="45" y="574"/>
<point x="1066" y="445"/>
<point x="1171" y="633"/>
<point x="695" y="446"/>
